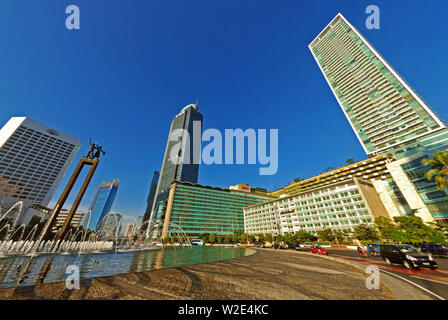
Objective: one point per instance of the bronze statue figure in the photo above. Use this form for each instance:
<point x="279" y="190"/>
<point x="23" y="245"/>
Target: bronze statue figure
<point x="92" y="154"/>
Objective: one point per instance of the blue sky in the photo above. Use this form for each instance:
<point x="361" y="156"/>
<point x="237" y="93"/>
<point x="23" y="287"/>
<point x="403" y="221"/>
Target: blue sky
<point x="134" y="64"/>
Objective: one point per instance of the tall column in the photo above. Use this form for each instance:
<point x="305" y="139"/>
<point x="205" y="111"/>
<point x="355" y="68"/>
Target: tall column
<point x="169" y="207"/>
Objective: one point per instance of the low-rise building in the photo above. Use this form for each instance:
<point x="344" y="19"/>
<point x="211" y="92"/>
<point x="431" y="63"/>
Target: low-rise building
<point x="200" y="209"/>
<point x="339" y="206"/>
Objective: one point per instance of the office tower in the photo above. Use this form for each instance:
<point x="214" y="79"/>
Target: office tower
<point x="190" y="120"/>
<point x="386" y="114"/>
<point x="102" y="202"/>
<point x="33" y="160"/>
<point x="150" y="200"/>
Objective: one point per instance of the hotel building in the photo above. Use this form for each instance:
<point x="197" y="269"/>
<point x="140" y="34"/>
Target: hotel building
<point x="200" y="209"/>
<point x="387" y="116"/>
<point x="340" y="206"/>
<point x="33" y="160"/>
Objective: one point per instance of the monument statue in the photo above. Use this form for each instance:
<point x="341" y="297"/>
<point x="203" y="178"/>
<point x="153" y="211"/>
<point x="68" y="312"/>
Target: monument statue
<point x="95" y="150"/>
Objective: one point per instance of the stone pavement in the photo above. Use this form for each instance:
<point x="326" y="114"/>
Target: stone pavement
<point x="267" y="274"/>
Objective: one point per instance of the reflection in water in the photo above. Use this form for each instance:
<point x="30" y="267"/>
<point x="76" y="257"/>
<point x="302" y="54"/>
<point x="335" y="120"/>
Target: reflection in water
<point x="21" y="270"/>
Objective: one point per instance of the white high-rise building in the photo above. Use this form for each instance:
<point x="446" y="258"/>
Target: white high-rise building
<point x="386" y="114"/>
<point x="33" y="160"/>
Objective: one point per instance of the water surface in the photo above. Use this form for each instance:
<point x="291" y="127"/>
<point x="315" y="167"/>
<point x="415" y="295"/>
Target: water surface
<point x="21" y="270"/>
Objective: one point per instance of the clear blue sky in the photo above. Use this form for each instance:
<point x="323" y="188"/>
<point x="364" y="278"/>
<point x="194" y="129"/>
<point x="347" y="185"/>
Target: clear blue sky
<point x="134" y="64"/>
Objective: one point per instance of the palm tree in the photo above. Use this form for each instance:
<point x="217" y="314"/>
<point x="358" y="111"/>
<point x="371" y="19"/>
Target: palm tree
<point x="439" y="169"/>
<point x="350" y="161"/>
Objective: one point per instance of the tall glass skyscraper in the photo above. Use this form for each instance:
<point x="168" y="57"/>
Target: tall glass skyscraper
<point x="150" y="200"/>
<point x="187" y="169"/>
<point x="386" y="114"/>
<point x="102" y="202"/>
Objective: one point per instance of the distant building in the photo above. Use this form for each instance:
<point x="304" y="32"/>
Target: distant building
<point x="129" y="230"/>
<point x="102" y="202"/>
<point x="188" y="119"/>
<point x="37" y="214"/>
<point x="246" y="188"/>
<point x="33" y="160"/>
<point x="150" y="200"/>
<point x="111" y="226"/>
<point x="200" y="209"/>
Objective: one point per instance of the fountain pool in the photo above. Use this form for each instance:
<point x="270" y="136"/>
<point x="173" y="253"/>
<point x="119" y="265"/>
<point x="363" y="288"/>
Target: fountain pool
<point x="44" y="268"/>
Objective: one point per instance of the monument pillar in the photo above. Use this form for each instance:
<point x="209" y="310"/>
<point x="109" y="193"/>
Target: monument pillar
<point x="92" y="159"/>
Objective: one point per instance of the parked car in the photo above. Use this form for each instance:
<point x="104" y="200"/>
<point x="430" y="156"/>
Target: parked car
<point x="276" y="246"/>
<point x="197" y="242"/>
<point x="435" y="249"/>
<point x="259" y="245"/>
<point x="307" y="245"/>
<point x="406" y="255"/>
<point x="318" y="250"/>
<point x="292" y="245"/>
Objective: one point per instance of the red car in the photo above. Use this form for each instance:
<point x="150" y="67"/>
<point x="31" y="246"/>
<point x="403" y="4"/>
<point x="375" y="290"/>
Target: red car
<point x="318" y="250"/>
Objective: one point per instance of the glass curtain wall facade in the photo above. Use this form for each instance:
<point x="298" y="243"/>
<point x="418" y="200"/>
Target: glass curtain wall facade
<point x="102" y="202"/>
<point x="202" y="209"/>
<point x="385" y="113"/>
<point x="190" y="120"/>
<point x="150" y="200"/>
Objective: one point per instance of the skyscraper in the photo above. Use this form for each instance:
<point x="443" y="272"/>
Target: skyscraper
<point x="102" y="202"/>
<point x="386" y="114"/>
<point x="33" y="160"/>
<point x="150" y="200"/>
<point x="190" y="120"/>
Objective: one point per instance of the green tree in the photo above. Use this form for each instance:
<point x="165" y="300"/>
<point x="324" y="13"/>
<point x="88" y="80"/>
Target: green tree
<point x="235" y="238"/>
<point x="219" y="239"/>
<point x="228" y="238"/>
<point x="325" y="234"/>
<point x="411" y="229"/>
<point x="279" y="238"/>
<point x="365" y="232"/>
<point x="438" y="169"/>
<point x="251" y="238"/>
<point x="260" y="238"/>
<point x="440" y="227"/>
<point x="212" y="238"/>
<point x="244" y="238"/>
<point x="350" y="161"/>
<point x="303" y="236"/>
<point x="386" y="228"/>
<point x="268" y="237"/>
<point x="288" y="237"/>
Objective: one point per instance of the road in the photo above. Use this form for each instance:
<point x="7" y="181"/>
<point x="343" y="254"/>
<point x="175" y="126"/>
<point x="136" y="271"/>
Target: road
<point x="436" y="281"/>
